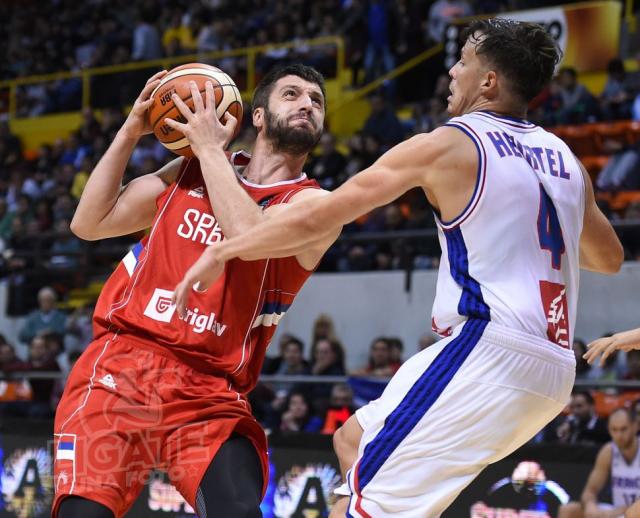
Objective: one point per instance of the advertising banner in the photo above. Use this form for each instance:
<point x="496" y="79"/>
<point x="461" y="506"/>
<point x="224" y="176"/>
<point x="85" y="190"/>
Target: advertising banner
<point x="531" y="483"/>
<point x="587" y="33"/>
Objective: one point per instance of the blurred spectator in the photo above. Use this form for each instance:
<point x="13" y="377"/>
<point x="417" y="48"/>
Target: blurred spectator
<point x="42" y="389"/>
<point x="292" y="364"/>
<point x="9" y="362"/>
<point x="633" y="365"/>
<point x="616" y="98"/>
<point x="327" y="358"/>
<point x="340" y="407"/>
<point x="441" y="14"/>
<point x="323" y="327"/>
<point x="396" y="348"/>
<point x="146" y="39"/>
<point x="578" y="105"/>
<point x="272" y="363"/>
<point x="379" y="364"/>
<point x="44" y="319"/>
<point x="298" y="415"/>
<point x="429" y="116"/>
<point x="328" y="167"/>
<point x="65" y="247"/>
<point x="583" y="369"/>
<point x="10" y="146"/>
<point x="79" y="329"/>
<point x="381" y="27"/>
<point x="621" y="172"/>
<point x="58" y="386"/>
<point x="177" y="38"/>
<point x="582" y="425"/>
<point x="354" y="30"/>
<point x="383" y="124"/>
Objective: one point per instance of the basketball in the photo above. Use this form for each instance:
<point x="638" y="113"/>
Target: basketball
<point x="227" y="98"/>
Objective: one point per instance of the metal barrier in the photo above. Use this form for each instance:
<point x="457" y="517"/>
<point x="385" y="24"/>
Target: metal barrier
<point x="250" y="54"/>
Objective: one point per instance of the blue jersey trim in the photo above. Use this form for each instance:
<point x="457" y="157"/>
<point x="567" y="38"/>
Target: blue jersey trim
<point x="479" y="175"/>
<point x="417" y="402"/>
<point x="472" y="302"/>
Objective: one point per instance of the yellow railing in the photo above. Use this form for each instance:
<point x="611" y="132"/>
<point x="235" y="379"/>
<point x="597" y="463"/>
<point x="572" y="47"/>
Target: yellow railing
<point x="249" y="52"/>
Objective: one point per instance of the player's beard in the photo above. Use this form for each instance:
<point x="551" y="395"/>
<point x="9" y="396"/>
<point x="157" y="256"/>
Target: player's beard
<point x="297" y="140"/>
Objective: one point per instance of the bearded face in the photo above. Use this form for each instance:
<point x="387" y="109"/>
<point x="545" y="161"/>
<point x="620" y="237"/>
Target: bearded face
<point x="296" y="134"/>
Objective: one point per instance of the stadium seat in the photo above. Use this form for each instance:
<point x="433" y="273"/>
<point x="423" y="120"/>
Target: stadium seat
<point x="581" y="139"/>
<point x="611" y="136"/>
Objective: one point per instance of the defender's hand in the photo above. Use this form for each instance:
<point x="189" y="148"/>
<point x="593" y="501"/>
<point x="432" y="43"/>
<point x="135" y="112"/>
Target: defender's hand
<point x="203" y="129"/>
<point x="199" y="277"/>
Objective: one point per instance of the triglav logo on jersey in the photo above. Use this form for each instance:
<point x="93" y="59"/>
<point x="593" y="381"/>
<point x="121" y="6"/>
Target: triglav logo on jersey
<point x="554" y="303"/>
<point x="160" y="307"/>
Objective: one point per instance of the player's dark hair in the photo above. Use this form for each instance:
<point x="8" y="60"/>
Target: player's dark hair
<point x="265" y="86"/>
<point x="524" y="52"/>
<point x="295" y="341"/>
<point x="585" y="394"/>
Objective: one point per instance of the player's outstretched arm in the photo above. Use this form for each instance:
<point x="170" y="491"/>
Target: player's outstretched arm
<point x="399" y="169"/>
<point x="624" y="341"/>
<point x="597" y="480"/>
<point x="600" y="248"/>
<point x="108" y="209"/>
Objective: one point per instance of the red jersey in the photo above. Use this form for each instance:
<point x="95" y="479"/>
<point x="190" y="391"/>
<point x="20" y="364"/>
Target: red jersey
<point x="227" y="328"/>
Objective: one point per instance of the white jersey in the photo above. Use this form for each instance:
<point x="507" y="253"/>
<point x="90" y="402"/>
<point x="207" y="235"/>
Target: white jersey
<point x="512" y="256"/>
<point x="625" y="477"/>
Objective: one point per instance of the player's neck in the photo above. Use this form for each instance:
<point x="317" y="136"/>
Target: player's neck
<point x="502" y="108"/>
<point x="630" y="452"/>
<point x="269" y="166"/>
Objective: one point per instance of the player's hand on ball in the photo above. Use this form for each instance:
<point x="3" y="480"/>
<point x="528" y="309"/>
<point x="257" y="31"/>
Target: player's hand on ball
<point x="199" y="277"/>
<point x="137" y="123"/>
<point x="203" y="129"/>
<point x="625" y="341"/>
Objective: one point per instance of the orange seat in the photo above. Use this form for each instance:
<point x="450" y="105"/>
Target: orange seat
<point x="633" y="131"/>
<point x="606" y="403"/>
<point x="611" y="136"/>
<point x="581" y="139"/>
<point x="620" y="200"/>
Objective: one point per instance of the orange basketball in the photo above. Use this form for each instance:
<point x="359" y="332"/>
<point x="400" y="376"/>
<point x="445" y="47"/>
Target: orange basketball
<point x="177" y="81"/>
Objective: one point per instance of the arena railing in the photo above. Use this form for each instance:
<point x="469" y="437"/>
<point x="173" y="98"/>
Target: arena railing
<point x="92" y="255"/>
<point x="250" y="54"/>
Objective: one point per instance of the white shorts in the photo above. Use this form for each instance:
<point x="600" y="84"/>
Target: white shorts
<point x="452" y="409"/>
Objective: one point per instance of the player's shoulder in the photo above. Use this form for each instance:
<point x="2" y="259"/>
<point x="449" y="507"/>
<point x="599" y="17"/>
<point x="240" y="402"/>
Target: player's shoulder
<point x="606" y="453"/>
<point x="441" y="140"/>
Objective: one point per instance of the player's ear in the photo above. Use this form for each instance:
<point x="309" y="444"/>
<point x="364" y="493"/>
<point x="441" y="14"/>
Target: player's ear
<point x="489" y="84"/>
<point x="258" y="117"/>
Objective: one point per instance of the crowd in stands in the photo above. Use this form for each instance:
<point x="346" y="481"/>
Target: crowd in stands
<point x="51" y="341"/>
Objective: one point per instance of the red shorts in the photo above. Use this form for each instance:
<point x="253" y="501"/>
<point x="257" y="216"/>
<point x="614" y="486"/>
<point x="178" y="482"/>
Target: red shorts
<point x="129" y="407"/>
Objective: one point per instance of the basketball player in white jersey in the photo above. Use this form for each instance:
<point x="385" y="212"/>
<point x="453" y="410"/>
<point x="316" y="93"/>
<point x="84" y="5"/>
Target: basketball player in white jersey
<point x="603" y="347"/>
<point x="517" y="219"/>
<point x="618" y="461"/>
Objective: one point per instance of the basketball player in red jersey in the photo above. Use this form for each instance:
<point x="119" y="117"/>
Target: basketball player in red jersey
<point x="160" y="389"/>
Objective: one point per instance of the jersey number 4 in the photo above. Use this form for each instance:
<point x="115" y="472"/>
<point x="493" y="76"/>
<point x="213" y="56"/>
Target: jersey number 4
<point x="549" y="230"/>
